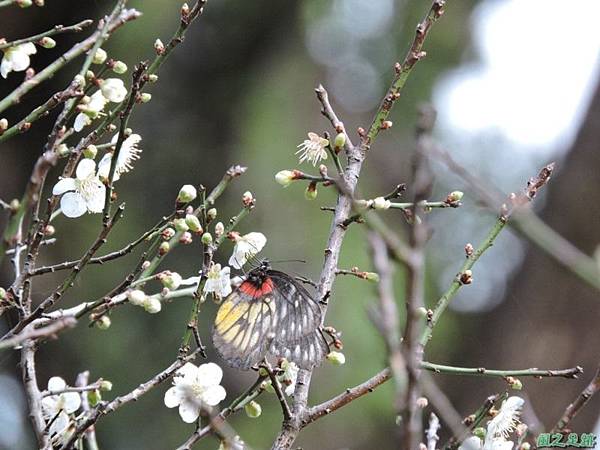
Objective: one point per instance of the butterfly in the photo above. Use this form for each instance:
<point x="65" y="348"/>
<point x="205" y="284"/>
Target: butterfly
<point x="270" y="313"/>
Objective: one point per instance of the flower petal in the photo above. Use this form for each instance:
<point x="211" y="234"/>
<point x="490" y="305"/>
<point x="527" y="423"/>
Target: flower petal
<point x="72" y="401"/>
<point x="5" y="67"/>
<point x="95" y="202"/>
<point x="60" y="424"/>
<point x="49" y="405"/>
<point x="186" y="374"/>
<point x="214" y="395"/>
<point x="85" y="168"/>
<point x="56" y="384"/>
<point x="20" y="61"/>
<point x="73" y="205"/>
<point x="173" y="397"/>
<point x="472" y="443"/>
<point x="189" y="411"/>
<point x="81" y="121"/>
<point x="104" y="165"/>
<point x="209" y="374"/>
<point x="28" y="48"/>
<point x="64" y="185"/>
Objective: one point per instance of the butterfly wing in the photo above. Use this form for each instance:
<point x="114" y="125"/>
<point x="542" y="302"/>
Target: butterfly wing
<point x="279" y="318"/>
<point x="298" y="320"/>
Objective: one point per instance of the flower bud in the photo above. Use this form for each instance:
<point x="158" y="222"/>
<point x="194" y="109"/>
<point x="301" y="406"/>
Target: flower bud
<point x="2" y="293"/>
<point x="185" y="10"/>
<point x="187" y="194"/>
<point x="137" y="297"/>
<point x="336" y="358"/>
<point x="516" y="384"/>
<point x="145" y="97"/>
<point x="422" y="402"/>
<point x="24" y="3"/>
<point x="47" y="42"/>
<point x="386" y="124"/>
<point x="181" y="225"/>
<point x="339" y="142"/>
<point x="49" y="230"/>
<point x="381" y="203"/>
<point x="106" y="386"/>
<point x="63" y="150"/>
<point x="119" y="67"/>
<point x="193" y="223"/>
<point x="152" y="305"/>
<point x="3" y="125"/>
<point x="94" y="397"/>
<point x="171" y="280"/>
<point x="469" y="249"/>
<point x="186" y="238"/>
<point x="99" y="57"/>
<point x="454" y="197"/>
<point x="14" y="205"/>
<point x="422" y="311"/>
<point x="466" y="277"/>
<point x="479" y="432"/>
<point x="164" y="248"/>
<point x="90" y="75"/>
<point x="284" y="177"/>
<point x="311" y="191"/>
<point x="79" y="80"/>
<point x="207" y="239"/>
<point x="247" y="198"/>
<point x="167" y="233"/>
<point x="90" y="151"/>
<point x="159" y="47"/>
<point x="103" y="322"/>
<point x="39" y="3"/>
<point x="211" y="214"/>
<point x="253" y="409"/>
<point x="219" y="229"/>
<point x="525" y="446"/>
<point x="152" y="78"/>
<point x="372" y="276"/>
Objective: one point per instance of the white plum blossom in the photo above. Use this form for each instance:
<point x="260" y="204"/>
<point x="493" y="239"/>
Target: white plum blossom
<point x="313" y="149"/>
<point x="16" y="59"/>
<point x="194" y="389"/>
<point x="498" y="429"/>
<point x="114" y="89"/>
<point x="246" y="247"/>
<point x="91" y="110"/>
<point x="83" y="193"/>
<point x="218" y="281"/>
<point x="127" y="155"/>
<point x="57" y="407"/>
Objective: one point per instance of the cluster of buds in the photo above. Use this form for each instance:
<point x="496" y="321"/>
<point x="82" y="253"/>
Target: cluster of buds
<point x="335" y="336"/>
<point x="138" y="297"/>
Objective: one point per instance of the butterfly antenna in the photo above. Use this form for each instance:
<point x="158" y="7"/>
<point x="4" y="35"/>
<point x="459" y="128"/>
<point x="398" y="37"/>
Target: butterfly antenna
<point x="303" y="261"/>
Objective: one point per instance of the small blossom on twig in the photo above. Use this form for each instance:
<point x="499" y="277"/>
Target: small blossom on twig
<point x="89" y="110"/>
<point x="195" y="388"/>
<point x="99" y="57"/>
<point x="16" y="59"/>
<point x="253" y="409"/>
<point x="113" y="89"/>
<point x="246" y="247"/>
<point x="83" y="193"/>
<point x="187" y="193"/>
<point x="313" y="149"/>
<point x="127" y="155"/>
<point x="285" y="177"/>
<point x="218" y="281"/>
<point x="336" y="358"/>
<point x="59" y="406"/>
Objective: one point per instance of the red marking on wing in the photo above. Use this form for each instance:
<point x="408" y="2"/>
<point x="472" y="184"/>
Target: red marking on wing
<point x="255" y="292"/>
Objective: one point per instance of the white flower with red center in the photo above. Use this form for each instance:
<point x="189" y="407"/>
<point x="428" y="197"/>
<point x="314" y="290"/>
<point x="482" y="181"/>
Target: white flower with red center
<point x="57" y="407"/>
<point x="16" y="59"/>
<point x="313" y="149"/>
<point x="127" y="155"/>
<point x="83" y="193"/>
<point x="195" y="389"/>
<point x="246" y="247"/>
<point x="218" y="281"/>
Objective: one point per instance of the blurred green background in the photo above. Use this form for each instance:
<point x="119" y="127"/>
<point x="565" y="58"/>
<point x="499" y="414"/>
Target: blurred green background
<point x="240" y="91"/>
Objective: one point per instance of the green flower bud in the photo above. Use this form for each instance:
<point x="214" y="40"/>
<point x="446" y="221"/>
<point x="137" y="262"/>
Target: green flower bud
<point x="207" y="239"/>
<point x="193" y="223"/>
<point x="119" y="67"/>
<point x="164" y="248"/>
<point x="311" y="191"/>
<point x="187" y="194"/>
<point x="2" y="293"/>
<point x="103" y="323"/>
<point x="170" y="280"/>
<point x="339" y="141"/>
<point x="152" y="305"/>
<point x="517" y="385"/>
<point x="284" y="177"/>
<point x="106" y="386"/>
<point x="153" y="78"/>
<point x="253" y="409"/>
<point x="181" y="224"/>
<point x="525" y="446"/>
<point x="63" y="150"/>
<point x="94" y="397"/>
<point x="145" y="97"/>
<point x="381" y="203"/>
<point x="263" y="372"/>
<point x="336" y="358"/>
<point x="99" y="57"/>
<point x="372" y="276"/>
<point x="268" y="387"/>
<point x="479" y="432"/>
<point x="211" y="214"/>
<point x="47" y="42"/>
<point x="90" y="75"/>
<point x="90" y="151"/>
<point x="24" y="3"/>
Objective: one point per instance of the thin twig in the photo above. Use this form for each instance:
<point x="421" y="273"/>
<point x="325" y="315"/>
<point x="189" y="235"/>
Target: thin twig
<point x="57" y="29"/>
<point x="573" y="409"/>
<point x="34" y="334"/>
<point x="278" y="391"/>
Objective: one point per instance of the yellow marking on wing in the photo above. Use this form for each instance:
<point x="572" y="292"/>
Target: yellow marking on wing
<point x="255" y="310"/>
<point x="230" y="316"/>
<point x="231" y="333"/>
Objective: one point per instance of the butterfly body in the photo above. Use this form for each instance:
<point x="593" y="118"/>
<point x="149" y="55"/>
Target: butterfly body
<point x="270" y="313"/>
